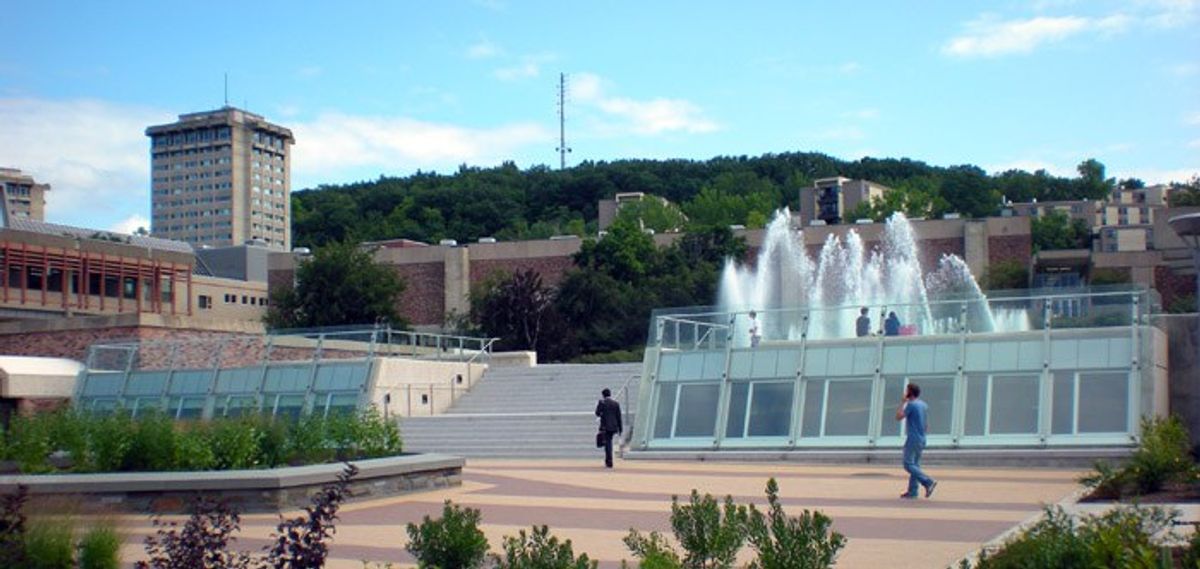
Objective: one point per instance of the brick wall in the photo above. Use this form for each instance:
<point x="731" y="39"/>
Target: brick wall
<point x="552" y="269"/>
<point x="1172" y="285"/>
<point x="424" y="299"/>
<point x="1017" y="248"/>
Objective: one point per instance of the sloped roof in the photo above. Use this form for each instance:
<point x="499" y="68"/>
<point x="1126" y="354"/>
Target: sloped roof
<point x="34" y="226"/>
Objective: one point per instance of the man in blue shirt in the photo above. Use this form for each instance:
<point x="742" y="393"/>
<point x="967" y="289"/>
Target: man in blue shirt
<point x="913" y="412"/>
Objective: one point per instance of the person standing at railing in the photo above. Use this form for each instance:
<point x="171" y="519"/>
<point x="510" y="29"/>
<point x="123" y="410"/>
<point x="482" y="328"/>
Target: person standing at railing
<point x="755" y="333"/>
<point x="891" y="326"/>
<point x="609" y="412"/>
<point x="862" y="326"/>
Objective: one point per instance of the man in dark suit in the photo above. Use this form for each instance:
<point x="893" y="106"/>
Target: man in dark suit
<point x="609" y="412"/>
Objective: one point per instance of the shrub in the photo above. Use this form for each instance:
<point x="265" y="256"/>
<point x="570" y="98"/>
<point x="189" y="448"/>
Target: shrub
<point x="29" y="442"/>
<point x="202" y="543"/>
<point x="1123" y="537"/>
<point x="376" y="435"/>
<point x="710" y="537"/>
<point x="194" y="448"/>
<point x="653" y="551"/>
<point x="540" y="550"/>
<point x="272" y="443"/>
<point x="100" y="548"/>
<point x="49" y="544"/>
<point x="301" y="541"/>
<point x="453" y="541"/>
<point x="305" y="441"/>
<point x="109" y="440"/>
<point x="68" y="430"/>
<point x="152" y="445"/>
<point x="1163" y="456"/>
<point x="783" y="542"/>
<point x="235" y="444"/>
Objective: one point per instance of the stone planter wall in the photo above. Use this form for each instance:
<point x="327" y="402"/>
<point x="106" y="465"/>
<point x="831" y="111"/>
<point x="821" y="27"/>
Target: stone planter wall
<point x="270" y="490"/>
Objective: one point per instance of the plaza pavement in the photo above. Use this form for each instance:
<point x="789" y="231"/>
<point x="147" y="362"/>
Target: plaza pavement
<point x="595" y="507"/>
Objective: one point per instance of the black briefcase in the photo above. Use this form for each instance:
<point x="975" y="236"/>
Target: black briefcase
<point x="600" y="439"/>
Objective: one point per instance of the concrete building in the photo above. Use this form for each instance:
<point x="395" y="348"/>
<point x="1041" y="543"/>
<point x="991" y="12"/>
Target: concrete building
<point x="221" y="178"/>
<point x="830" y="200"/>
<point x="23" y="197"/>
<point x="439" y="277"/>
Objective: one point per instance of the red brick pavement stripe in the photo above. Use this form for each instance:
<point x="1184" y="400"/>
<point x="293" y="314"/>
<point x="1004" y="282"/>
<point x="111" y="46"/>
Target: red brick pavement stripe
<point x="515" y="486"/>
<point x="898" y="474"/>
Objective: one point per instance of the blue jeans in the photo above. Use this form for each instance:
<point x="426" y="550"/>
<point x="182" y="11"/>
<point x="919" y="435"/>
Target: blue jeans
<point x="912" y="464"/>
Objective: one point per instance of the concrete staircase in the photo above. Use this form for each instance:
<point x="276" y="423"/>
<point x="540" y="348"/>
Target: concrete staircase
<point x="540" y="412"/>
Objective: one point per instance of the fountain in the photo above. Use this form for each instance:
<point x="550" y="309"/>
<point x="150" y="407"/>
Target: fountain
<point x="788" y="284"/>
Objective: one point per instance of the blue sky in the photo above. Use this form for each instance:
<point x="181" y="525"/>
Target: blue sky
<point x="377" y="88"/>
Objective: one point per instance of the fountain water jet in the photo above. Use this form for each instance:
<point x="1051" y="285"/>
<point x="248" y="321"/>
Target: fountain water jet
<point x="788" y="284"/>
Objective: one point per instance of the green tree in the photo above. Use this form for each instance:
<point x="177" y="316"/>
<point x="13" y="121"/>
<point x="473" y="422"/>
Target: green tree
<point x="1092" y="183"/>
<point x="653" y="213"/>
<point x="1186" y="194"/>
<point x="1006" y="275"/>
<point x="1057" y="231"/>
<point x="540" y="550"/>
<point x="520" y="310"/>
<point x="339" y="284"/>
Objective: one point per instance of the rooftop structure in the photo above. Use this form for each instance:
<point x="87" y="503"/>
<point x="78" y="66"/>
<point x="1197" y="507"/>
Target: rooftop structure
<point x="831" y="200"/>
<point x="23" y="197"/>
<point x="221" y="178"/>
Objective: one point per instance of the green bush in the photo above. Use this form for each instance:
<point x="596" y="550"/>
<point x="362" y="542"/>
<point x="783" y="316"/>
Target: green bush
<point x="1123" y="537"/>
<point x="272" y="442"/>
<point x="152" y="445"/>
<point x="376" y="436"/>
<point x="653" y="551"/>
<point x="100" y="548"/>
<point x="49" y="544"/>
<point x="540" y="550"/>
<point x="68" y="431"/>
<point x="109" y="440"/>
<point x="1162" y="456"/>
<point x="235" y="444"/>
<point x="194" y="448"/>
<point x="29" y="442"/>
<point x="710" y="536"/>
<point x="305" y="441"/>
<point x="784" y="542"/>
<point x="613" y="357"/>
<point x="453" y="541"/>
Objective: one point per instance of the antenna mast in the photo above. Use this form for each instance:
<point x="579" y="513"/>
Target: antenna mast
<point x="226" y="88"/>
<point x="563" y="149"/>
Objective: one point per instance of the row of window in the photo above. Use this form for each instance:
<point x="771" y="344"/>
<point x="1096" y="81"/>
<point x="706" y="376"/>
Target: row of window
<point x="289" y="405"/>
<point x="195" y="226"/>
<point x="192" y="136"/>
<point x="205" y="302"/>
<point x="17" y="190"/>
<point x="195" y="163"/>
<point x="193" y="151"/>
<point x="267" y="139"/>
<point x="187" y="214"/>
<point x="111" y="286"/>
<point x="193" y="189"/>
<point x="192" y="201"/>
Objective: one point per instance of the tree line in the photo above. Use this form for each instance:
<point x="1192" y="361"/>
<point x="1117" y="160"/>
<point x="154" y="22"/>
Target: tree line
<point x="509" y="203"/>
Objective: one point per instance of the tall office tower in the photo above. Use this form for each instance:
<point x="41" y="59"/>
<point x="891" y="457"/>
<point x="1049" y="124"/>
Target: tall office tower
<point x="221" y="178"/>
<point x="22" y="195"/>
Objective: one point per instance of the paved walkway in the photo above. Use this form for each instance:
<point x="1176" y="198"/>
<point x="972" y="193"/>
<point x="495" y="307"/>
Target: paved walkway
<point x="595" y="508"/>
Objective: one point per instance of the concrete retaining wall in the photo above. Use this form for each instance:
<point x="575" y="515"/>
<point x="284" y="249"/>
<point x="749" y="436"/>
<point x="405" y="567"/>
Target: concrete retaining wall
<point x="270" y="490"/>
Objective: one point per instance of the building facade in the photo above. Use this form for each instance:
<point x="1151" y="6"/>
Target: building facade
<point x="221" y="178"/>
<point x="23" y="197"/>
<point x="830" y="200"/>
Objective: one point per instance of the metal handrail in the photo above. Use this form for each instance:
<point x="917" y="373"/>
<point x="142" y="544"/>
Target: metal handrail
<point x="623" y="395"/>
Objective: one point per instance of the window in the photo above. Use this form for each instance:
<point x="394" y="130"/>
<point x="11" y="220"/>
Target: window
<point x="205" y="302"/>
<point x="244" y="301"/>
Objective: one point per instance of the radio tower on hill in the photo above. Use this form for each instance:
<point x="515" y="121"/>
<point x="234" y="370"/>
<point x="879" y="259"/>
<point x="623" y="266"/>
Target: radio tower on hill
<point x="563" y="149"/>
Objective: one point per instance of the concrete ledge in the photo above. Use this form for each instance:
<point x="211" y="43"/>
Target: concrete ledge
<point x="1077" y="457"/>
<point x="250" y="490"/>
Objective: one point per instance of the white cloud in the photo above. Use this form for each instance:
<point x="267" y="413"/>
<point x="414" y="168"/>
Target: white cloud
<point x="637" y="116"/>
<point x="1169" y="13"/>
<point x="130" y="224"/>
<point x="94" y="155"/>
<point x="526" y="70"/>
<point x="989" y="37"/>
<point x="862" y="114"/>
<point x="1158" y="176"/>
<point x="1192" y="118"/>
<point x="1194" y="144"/>
<point x="309" y="72"/>
<point x="850" y="68"/>
<point x="1184" y="69"/>
<point x="337" y="141"/>
<point x="483" y="49"/>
